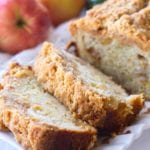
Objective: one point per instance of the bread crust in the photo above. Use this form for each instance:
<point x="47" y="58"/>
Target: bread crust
<point x="35" y="135"/>
<point x="114" y="32"/>
<point x="126" y="20"/>
<point x="52" y="72"/>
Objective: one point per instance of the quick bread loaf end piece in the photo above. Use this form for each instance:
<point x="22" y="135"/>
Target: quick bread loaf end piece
<point x="115" y="37"/>
<point x="37" y="119"/>
<point x="89" y="94"/>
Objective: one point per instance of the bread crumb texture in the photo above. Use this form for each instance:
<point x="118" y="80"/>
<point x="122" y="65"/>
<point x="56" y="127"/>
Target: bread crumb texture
<point x="89" y="94"/>
<point x="37" y="119"/>
<point x="126" y="20"/>
<point x="115" y="38"/>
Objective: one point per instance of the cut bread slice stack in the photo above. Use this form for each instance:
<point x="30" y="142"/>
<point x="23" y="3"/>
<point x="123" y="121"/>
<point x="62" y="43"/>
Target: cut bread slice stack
<point x="115" y="37"/>
<point x="89" y="94"/>
<point x="37" y="119"/>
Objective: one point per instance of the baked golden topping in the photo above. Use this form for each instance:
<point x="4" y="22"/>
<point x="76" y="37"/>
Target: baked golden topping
<point x="127" y="20"/>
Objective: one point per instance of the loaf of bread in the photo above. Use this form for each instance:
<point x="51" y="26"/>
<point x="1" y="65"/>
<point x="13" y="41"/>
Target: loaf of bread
<point x="89" y="94"/>
<point x="37" y="119"/>
<point x="115" y="37"/>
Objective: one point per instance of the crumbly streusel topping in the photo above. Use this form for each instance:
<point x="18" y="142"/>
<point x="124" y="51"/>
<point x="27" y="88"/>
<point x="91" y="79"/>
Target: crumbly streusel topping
<point x="128" y="20"/>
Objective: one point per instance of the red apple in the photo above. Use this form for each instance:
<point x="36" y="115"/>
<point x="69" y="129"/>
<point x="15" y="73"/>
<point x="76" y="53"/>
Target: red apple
<point x="62" y="10"/>
<point x="23" y="24"/>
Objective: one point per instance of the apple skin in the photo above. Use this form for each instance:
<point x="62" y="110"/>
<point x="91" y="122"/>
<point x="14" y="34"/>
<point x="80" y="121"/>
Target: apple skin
<point x="62" y="10"/>
<point x="23" y="24"/>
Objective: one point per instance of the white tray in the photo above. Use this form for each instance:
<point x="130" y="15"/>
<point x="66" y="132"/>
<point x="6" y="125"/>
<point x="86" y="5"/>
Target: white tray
<point x="139" y="137"/>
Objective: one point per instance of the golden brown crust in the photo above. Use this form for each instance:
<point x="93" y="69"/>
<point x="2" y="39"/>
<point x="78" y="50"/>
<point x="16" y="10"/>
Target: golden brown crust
<point x="126" y="20"/>
<point x="54" y="75"/>
<point x="64" y="85"/>
<point x="33" y="134"/>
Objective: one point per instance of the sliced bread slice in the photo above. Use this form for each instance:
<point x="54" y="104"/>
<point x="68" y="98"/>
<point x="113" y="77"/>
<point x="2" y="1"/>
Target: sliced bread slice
<point x="89" y="94"/>
<point x="37" y="120"/>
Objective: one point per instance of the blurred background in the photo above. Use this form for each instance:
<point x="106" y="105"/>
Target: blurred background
<point x="26" y="23"/>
